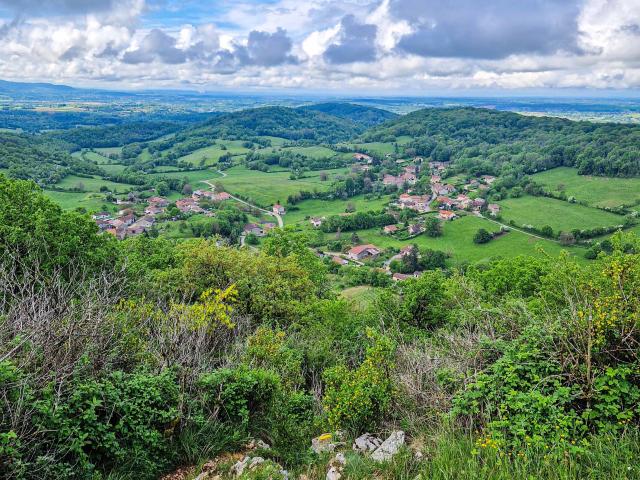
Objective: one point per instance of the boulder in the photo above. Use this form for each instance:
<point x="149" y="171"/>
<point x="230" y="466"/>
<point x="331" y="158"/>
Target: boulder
<point x="389" y="447"/>
<point x="366" y="443"/>
<point x="238" y="467"/>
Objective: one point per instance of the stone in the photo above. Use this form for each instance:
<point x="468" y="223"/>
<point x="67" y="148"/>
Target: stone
<point x="255" y="461"/>
<point x="333" y="474"/>
<point x="389" y="447"/>
<point x="323" y="443"/>
<point x="340" y="458"/>
<point x="238" y="467"/>
<point x="258" y="445"/>
<point x="366" y="443"/>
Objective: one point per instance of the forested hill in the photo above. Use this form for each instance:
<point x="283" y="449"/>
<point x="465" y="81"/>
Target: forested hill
<point x="359" y="114"/>
<point x="41" y="159"/>
<point x="289" y="123"/>
<point x="492" y="142"/>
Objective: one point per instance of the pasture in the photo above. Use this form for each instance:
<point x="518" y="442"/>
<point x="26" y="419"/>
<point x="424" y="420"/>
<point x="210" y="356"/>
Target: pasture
<point x="603" y="192"/>
<point x="211" y="155"/>
<point x="266" y="188"/>
<point x="457" y="241"/>
<point x="559" y="215"/>
<point x="325" y="208"/>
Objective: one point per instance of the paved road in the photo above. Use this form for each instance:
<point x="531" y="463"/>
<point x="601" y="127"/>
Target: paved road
<point x="277" y="216"/>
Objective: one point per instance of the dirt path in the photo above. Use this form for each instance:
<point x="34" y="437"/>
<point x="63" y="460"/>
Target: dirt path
<point x="510" y="227"/>
<point x="272" y="214"/>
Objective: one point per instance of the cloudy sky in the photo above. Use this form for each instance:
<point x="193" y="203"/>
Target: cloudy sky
<point x="386" y="46"/>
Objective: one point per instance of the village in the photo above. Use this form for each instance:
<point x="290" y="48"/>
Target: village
<point x="444" y="200"/>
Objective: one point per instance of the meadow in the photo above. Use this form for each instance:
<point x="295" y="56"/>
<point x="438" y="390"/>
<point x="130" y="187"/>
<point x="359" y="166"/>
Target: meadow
<point x="212" y="154"/>
<point x="323" y="208"/>
<point x="457" y="241"/>
<point x="559" y="215"/>
<point x="92" y="184"/>
<point x="90" y="201"/>
<point x="266" y="188"/>
<point x="603" y="192"/>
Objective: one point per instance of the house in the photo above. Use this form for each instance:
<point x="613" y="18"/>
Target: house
<point x="361" y="157"/>
<point x="411" y="169"/>
<point x="135" y="229"/>
<point x="147" y="221"/>
<point x="479" y="202"/>
<point x="158" y="201"/>
<point x="406" y="250"/>
<point x="153" y="210"/>
<point x="494" y="209"/>
<point x="435" y="179"/>
<point x="442" y="189"/>
<point x="118" y="232"/>
<point x="364" y="251"/>
<point x="447" y="202"/>
<point x="488" y="179"/>
<point x="390" y="229"/>
<point x="415" y="229"/>
<point x="103" y="225"/>
<point x="463" y="201"/>
<point x="188" y="205"/>
<point x="390" y="180"/>
<point x="128" y="219"/>
<point x="447" y="215"/>
<point x="219" y="197"/>
<point x="316" y="222"/>
<point x="101" y="216"/>
<point x="278" y="209"/>
<point x="267" y="226"/>
<point x="254" y="229"/>
<point x="399" y="277"/>
<point x="419" y="203"/>
<point x="339" y="260"/>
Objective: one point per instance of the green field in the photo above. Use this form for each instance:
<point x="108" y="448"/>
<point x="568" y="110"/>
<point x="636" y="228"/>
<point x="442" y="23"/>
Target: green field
<point x="194" y="177"/>
<point x="596" y="191"/>
<point x="324" y="208"/>
<point x="268" y="188"/>
<point x="112" y="168"/>
<point x="91" y="201"/>
<point x="212" y="154"/>
<point x="92" y="184"/>
<point x="560" y="215"/>
<point x="457" y="241"/>
<point x="109" y="150"/>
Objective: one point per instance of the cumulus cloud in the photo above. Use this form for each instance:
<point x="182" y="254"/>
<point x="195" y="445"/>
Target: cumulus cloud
<point x="356" y="43"/>
<point x="489" y="29"/>
<point x="157" y="45"/>
<point x="62" y="7"/>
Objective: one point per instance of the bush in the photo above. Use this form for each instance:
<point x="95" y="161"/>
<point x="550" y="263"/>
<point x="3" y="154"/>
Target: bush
<point x="357" y="399"/>
<point x="482" y="236"/>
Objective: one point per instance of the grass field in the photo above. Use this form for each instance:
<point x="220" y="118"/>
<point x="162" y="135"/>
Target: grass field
<point x="194" y="177"/>
<point x="268" y="188"/>
<point x="213" y="153"/>
<point x="109" y="150"/>
<point x="112" y="168"/>
<point x="322" y="208"/>
<point x="91" y="201"/>
<point x="457" y="241"/>
<point x="561" y="216"/>
<point x="92" y="184"/>
<point x="596" y="191"/>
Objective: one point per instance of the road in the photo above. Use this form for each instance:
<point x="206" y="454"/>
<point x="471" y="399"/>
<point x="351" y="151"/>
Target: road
<point x="276" y="215"/>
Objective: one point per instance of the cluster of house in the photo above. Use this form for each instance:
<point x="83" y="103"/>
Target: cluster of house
<point x="127" y="224"/>
<point x="363" y="158"/>
<point x="408" y="177"/>
<point x="192" y="204"/>
<point x="369" y="251"/>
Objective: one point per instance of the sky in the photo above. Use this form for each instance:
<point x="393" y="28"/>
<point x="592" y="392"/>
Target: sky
<point x="356" y="46"/>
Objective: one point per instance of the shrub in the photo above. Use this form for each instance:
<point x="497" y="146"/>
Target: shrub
<point x="356" y="399"/>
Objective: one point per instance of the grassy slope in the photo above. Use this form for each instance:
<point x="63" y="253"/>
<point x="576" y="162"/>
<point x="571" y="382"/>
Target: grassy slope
<point x="267" y="188"/>
<point x="541" y="211"/>
<point x="596" y="191"/>
<point x="320" y="208"/>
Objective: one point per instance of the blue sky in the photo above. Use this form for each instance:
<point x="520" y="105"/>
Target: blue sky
<point x="352" y="47"/>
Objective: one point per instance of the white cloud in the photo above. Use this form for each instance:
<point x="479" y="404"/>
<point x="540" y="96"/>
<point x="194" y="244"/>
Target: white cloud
<point x="300" y="44"/>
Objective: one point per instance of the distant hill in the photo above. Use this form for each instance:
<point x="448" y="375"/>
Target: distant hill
<point x="491" y="141"/>
<point x="359" y="114"/>
<point x="285" y="122"/>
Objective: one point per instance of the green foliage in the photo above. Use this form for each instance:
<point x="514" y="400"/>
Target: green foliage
<point x="356" y="399"/>
<point x="482" y="236"/>
<point x="521" y="399"/>
<point x="424" y="300"/>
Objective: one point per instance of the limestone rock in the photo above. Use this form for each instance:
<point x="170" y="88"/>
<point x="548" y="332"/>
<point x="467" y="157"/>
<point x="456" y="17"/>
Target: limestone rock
<point x="323" y="443"/>
<point x="389" y="447"/>
<point x="366" y="443"/>
<point x="333" y="474"/>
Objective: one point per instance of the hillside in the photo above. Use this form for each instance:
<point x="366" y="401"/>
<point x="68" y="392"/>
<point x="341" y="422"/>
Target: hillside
<point x="490" y="141"/>
<point x="359" y="114"/>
